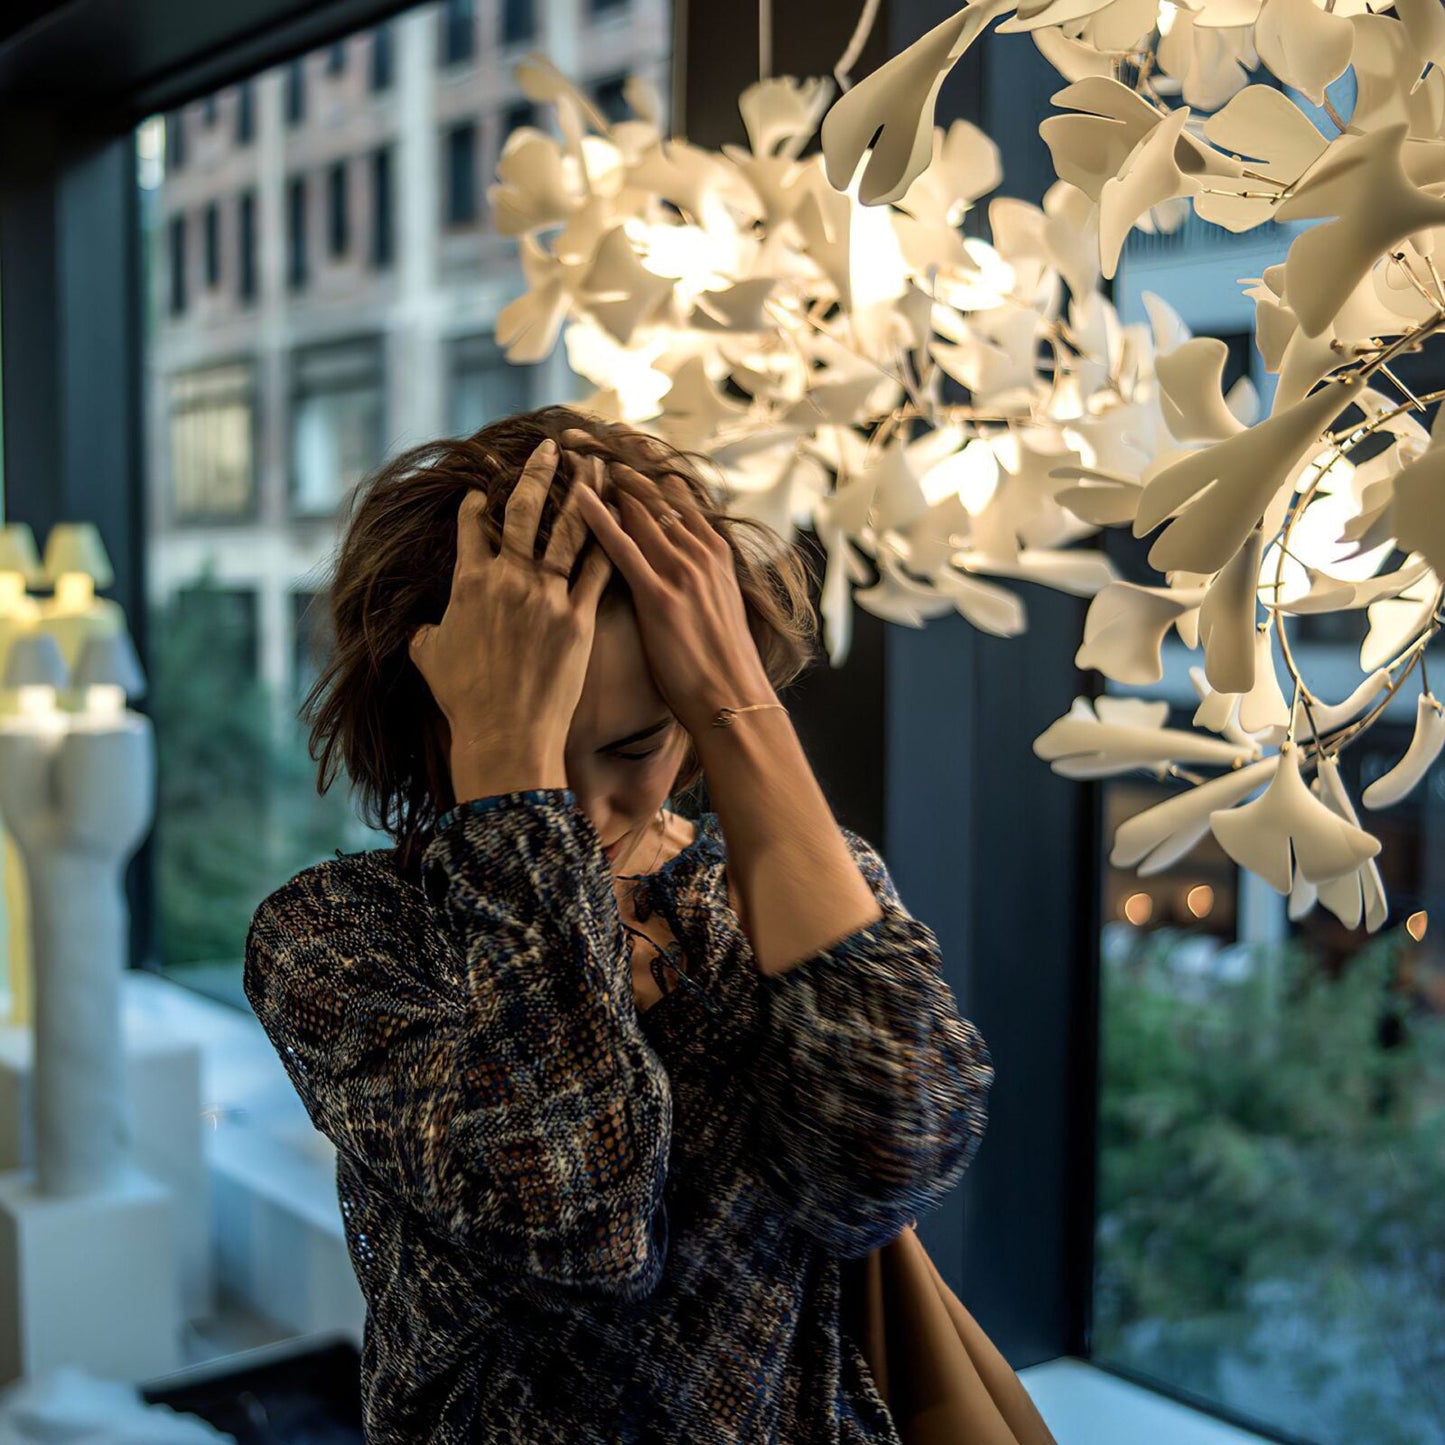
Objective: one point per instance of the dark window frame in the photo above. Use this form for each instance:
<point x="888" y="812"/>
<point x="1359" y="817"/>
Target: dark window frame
<point x="601" y="92"/>
<point x="518" y="21"/>
<point x="461" y="192"/>
<point x="298" y="269"/>
<point x="383" y="207"/>
<point x="297" y="390"/>
<point x="295" y="88"/>
<point x="456" y="32"/>
<point x="249" y="515"/>
<point x="175" y="129"/>
<point x="246" y="112"/>
<point x="246" y="246"/>
<point x="211" y="244"/>
<point x="381" y="65"/>
<point x="338" y="208"/>
<point x="177" y="241"/>
<point x="336" y="57"/>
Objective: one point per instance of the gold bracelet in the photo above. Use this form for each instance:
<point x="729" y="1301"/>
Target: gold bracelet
<point x="725" y="715"/>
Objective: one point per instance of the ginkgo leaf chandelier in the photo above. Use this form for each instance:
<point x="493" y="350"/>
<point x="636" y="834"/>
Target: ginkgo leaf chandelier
<point x="798" y="319"/>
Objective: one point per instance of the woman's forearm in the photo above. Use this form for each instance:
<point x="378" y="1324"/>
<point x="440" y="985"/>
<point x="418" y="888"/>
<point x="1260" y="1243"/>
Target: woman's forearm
<point x="800" y="888"/>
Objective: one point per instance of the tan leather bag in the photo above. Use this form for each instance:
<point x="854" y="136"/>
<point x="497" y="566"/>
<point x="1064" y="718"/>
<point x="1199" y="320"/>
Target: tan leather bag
<point x="942" y="1378"/>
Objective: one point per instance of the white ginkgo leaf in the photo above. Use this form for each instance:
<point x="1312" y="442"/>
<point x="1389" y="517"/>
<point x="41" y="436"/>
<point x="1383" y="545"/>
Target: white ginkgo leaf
<point x="1191" y="391"/>
<point x="1106" y="121"/>
<point x="1361" y="180"/>
<point x="781" y="112"/>
<point x="888" y="115"/>
<point x="1266" y="124"/>
<point x="1125" y="628"/>
<point x="1396" y="621"/>
<point x="1231" y="482"/>
<point x="1288" y="828"/>
<point x="1425" y="745"/>
<point x="1227" y="620"/>
<point x="1359" y="893"/>
<point x="1263" y="707"/>
<point x="1083" y="744"/>
<point x="1152" y="840"/>
<point x="1418" y="513"/>
<point x="1303" y="44"/>
<point x="1317" y="720"/>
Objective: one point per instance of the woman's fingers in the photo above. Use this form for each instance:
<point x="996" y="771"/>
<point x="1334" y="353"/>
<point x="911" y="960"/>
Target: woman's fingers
<point x="524" y="506"/>
<point x="569" y="529"/>
<point x="626" y="555"/>
<point x="473" y="548"/>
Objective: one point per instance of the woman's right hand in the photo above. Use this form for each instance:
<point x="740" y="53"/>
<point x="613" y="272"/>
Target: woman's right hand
<point x="507" y="661"/>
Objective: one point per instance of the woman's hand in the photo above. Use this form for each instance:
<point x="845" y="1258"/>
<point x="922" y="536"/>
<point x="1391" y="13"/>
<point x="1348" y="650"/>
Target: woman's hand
<point x="690" y="610"/>
<point x="507" y="661"/>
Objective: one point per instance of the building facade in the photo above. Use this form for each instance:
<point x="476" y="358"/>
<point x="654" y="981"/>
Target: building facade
<point x="325" y="279"/>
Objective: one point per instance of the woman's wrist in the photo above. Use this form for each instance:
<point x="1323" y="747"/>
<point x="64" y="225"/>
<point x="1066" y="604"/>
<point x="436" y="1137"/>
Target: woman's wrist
<point x="701" y="715"/>
<point x="479" y="773"/>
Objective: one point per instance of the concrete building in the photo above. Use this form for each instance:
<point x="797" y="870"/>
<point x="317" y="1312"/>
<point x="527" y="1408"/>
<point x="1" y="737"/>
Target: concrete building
<point x="325" y="280"/>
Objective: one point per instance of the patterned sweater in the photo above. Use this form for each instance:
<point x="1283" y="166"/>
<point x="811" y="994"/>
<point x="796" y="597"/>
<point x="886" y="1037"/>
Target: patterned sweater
<point x="575" y="1221"/>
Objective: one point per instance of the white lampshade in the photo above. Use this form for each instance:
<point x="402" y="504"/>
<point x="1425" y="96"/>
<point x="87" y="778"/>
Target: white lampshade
<point x="18" y="554"/>
<point x="34" y="660"/>
<point x="111" y="660"/>
<point x="76" y="547"/>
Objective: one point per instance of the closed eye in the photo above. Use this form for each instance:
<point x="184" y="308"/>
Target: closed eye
<point x="637" y="757"/>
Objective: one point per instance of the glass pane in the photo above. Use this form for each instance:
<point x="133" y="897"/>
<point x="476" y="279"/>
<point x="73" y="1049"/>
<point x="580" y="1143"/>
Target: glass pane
<point x="311" y="313"/>
<point x="1271" y="1177"/>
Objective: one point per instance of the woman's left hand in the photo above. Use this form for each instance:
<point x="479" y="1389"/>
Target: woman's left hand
<point x="690" y="610"/>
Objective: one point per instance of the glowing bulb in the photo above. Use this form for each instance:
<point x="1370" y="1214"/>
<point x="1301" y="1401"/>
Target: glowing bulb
<point x="970" y="473"/>
<point x="35" y="698"/>
<point x="1138" y="909"/>
<point x="1200" y="900"/>
<point x="74" y="592"/>
<point x="1415" y="925"/>
<point x="105" y="699"/>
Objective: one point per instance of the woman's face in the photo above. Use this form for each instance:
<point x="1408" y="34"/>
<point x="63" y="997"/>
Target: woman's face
<point x="621" y="784"/>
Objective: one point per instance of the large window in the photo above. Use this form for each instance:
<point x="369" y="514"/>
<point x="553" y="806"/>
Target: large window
<point x="213" y="244"/>
<point x="458" y="31"/>
<point x="299" y="376"/>
<point x="461" y="162"/>
<point x="212" y="443"/>
<point x="1271" y="1186"/>
<point x="338" y="206"/>
<point x="176" y="240"/>
<point x="519" y="24"/>
<point x="245" y="113"/>
<point x="484" y="385"/>
<point x="380" y="74"/>
<point x="337" y="403"/>
<point x="381" y="207"/>
<point x="296" y="232"/>
<point x="246" y="268"/>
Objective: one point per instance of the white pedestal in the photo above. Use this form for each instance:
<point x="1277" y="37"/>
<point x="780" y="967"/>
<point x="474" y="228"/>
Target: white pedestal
<point x="163" y="1098"/>
<point x="88" y="1280"/>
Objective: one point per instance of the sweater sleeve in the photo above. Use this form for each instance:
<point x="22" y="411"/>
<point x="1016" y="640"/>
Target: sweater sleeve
<point x="519" y="1112"/>
<point x="871" y="1089"/>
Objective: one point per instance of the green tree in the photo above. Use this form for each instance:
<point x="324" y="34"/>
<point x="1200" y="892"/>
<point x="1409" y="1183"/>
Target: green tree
<point x="237" y="810"/>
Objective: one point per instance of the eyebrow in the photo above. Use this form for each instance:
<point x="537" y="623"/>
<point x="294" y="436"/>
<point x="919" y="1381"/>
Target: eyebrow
<point x="636" y="737"/>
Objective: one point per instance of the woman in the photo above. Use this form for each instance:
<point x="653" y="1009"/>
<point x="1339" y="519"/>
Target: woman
<point x="612" y="1092"/>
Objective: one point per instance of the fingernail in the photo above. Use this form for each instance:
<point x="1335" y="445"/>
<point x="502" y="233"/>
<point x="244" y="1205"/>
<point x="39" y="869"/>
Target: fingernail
<point x="548" y="447"/>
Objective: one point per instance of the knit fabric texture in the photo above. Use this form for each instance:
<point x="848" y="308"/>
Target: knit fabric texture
<point x="574" y="1221"/>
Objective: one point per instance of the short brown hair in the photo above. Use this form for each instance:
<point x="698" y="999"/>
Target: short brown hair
<point x="371" y="711"/>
